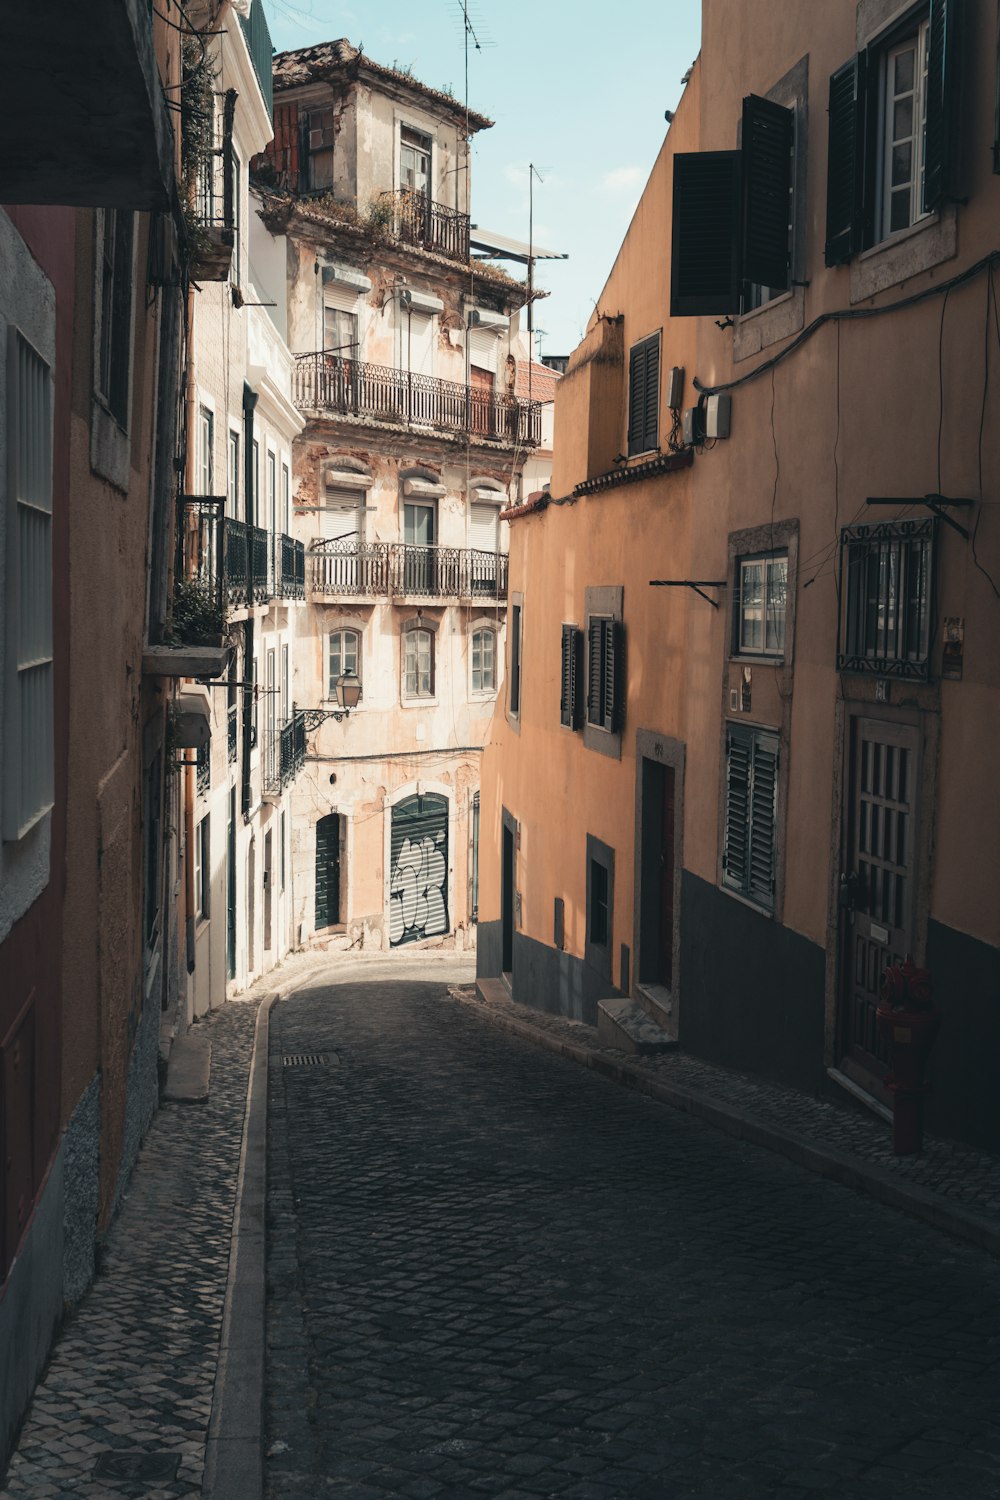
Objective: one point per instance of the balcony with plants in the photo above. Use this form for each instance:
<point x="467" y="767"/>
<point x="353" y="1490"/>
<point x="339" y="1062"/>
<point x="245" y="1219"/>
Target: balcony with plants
<point x="226" y="564"/>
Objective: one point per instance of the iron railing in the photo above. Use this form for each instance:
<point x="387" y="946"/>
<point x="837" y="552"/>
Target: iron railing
<point x="345" y="568"/>
<point x="352" y="387"/>
<point x="418" y="220"/>
<point x="286" y="753"/>
<point x="289" y="567"/>
<point x="200" y="545"/>
<point x="203" y="765"/>
<point x="258" y="39"/>
<point x="231" y="734"/>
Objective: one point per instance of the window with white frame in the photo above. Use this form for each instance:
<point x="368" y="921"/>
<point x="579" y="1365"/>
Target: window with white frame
<point x="206" y="449"/>
<point x="344" y="657"/>
<point x="340" y="331"/>
<point x="760" y="600"/>
<point x="286" y="500"/>
<point x="202" y="867"/>
<point x="904" y="131"/>
<point x="418" y="662"/>
<point x="484" y="659"/>
<point x="28" y="665"/>
<point x="233" y="474"/>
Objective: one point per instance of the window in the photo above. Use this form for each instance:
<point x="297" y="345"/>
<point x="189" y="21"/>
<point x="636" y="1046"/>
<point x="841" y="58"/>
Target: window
<point x="202" y="868"/>
<point x="748" y="859"/>
<point x="344" y="656"/>
<point x="604" y="646"/>
<point x="571" y="677"/>
<point x="317" y="149"/>
<point x="340" y="332"/>
<point x="271" y="518"/>
<point x="484" y="671"/>
<point x="233" y="474"/>
<point x="286" y="500"/>
<point x="885" y="590"/>
<point x="418" y="663"/>
<point x="600" y="905"/>
<point x="27" y="697"/>
<point x="206" y="450"/>
<point x="890" y="145"/>
<point x="644" y="395"/>
<point x="731" y="215"/>
<point x="515" y="660"/>
<point x="414" y="162"/>
<point x="115" y="242"/>
<point x="255" y="476"/>
<point x="760" y="593"/>
<point x="474" y="859"/>
<point x="234" y="264"/>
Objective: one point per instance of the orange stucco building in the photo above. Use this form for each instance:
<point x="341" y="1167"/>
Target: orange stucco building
<point x="746" y="754"/>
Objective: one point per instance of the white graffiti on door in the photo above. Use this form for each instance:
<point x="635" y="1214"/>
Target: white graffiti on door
<point x="417" y="907"/>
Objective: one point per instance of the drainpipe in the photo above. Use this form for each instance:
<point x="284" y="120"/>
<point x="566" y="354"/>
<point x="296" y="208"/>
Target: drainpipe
<point x="190" y="434"/>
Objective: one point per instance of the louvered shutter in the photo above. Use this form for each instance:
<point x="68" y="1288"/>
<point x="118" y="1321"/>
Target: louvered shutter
<point x="569" y="689"/>
<point x="941" y="68"/>
<point x="612" y="649"/>
<point x="704" y="268"/>
<point x="651" y="403"/>
<point x="763" y="790"/>
<point x="340" y="517"/>
<point x="845" y="158"/>
<point x="636" y="398"/>
<point x="767" y="183"/>
<point x="595" y="663"/>
<point x="484" y="527"/>
<point x="737" y="834"/>
<point x="644" y="395"/>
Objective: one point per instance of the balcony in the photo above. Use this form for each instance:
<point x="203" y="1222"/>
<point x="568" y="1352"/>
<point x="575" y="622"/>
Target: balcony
<point x="286" y="754"/>
<point x="331" y="385"/>
<point x="340" y="570"/>
<point x="261" y="49"/>
<point x="289" y="568"/>
<point x="210" y="190"/>
<point x="418" y="220"/>
<point x="226" y="563"/>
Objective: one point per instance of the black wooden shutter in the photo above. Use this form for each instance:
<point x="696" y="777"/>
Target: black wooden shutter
<point x="515" y="659"/>
<point x="569" y="687"/>
<point x="767" y="185"/>
<point x="941" y="70"/>
<point x="763" y="790"/>
<point x="705" y="251"/>
<point x="844" y="162"/>
<point x="613" y="645"/>
<point x="739" y="750"/>
<point x="595" y="661"/>
<point x="644" y="395"/>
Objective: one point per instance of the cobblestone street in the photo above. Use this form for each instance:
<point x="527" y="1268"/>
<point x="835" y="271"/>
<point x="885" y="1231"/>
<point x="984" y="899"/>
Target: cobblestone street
<point x="492" y="1272"/>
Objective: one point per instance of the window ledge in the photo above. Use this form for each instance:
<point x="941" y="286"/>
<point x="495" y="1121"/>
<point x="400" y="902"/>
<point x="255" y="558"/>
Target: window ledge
<point x="110" y="447"/>
<point x="926" y="244"/>
<point x="764" y="911"/>
<point x="757" y="659"/>
<point x="418" y="702"/>
<point x="769" y="324"/>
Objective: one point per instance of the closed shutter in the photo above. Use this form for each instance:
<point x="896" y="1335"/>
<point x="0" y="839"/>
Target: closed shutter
<point x="606" y="641"/>
<point x="418" y="882"/>
<point x="845" y="161"/>
<point x="739" y="751"/>
<point x="595" y="660"/>
<point x="612" y="664"/>
<point x="941" y="66"/>
<point x="341" y="516"/>
<point x="704" y="268"/>
<point x="767" y="183"/>
<point x="484" y="527"/>
<point x="748" y="859"/>
<point x="419" y="343"/>
<point x="763" y="791"/>
<point x="570" y="677"/>
<point x="644" y="395"/>
<point x="483" y="350"/>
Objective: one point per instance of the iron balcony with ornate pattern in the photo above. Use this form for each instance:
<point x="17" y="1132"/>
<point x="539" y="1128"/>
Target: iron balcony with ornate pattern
<point x="330" y="384"/>
<point x="418" y="220"/>
<point x="345" y="569"/>
<point x="237" y="564"/>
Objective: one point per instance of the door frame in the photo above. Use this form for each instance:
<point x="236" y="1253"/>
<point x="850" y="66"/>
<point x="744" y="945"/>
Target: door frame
<point x="664" y="750"/>
<point x="458" y="832"/>
<point x="925" y="717"/>
<point x="508" y="878"/>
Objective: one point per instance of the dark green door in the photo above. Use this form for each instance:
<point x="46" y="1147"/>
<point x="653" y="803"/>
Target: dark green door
<point x="418" y="885"/>
<point x="328" y="871"/>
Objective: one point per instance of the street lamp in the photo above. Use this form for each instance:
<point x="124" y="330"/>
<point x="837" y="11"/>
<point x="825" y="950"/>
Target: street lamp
<point x="347" y="690"/>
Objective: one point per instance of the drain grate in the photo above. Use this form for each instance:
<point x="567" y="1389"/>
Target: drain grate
<point x="305" y="1060"/>
<point x="132" y="1464"/>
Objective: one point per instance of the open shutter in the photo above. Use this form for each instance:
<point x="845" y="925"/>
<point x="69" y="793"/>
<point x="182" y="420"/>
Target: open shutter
<point x="636" y="397"/>
<point x="612" y="672"/>
<point x="735" y="850"/>
<point x="644" y="395"/>
<point x="845" y="156"/>
<point x="767" y="184"/>
<point x="763" y="790"/>
<point x="569" y="693"/>
<point x="941" y="67"/>
<point x="705" y="252"/>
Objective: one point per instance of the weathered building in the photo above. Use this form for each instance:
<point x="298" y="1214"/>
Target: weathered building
<point x="406" y="355"/>
<point x="735" y="797"/>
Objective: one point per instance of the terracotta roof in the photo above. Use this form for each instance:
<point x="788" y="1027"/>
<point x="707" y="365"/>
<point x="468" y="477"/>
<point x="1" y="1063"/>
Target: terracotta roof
<point x="543" y="381"/>
<point x="327" y="59"/>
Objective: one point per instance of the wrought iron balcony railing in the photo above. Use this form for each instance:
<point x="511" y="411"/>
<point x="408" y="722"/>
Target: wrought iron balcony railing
<point x="232" y="560"/>
<point x="289" y="567"/>
<point x="418" y="220"/>
<point x="354" y="388"/>
<point x="231" y="734"/>
<point x="285" y="753"/>
<point x="373" y="570"/>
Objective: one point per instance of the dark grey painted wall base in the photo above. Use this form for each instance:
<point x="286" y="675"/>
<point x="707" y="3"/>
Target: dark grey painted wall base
<point x="963" y="1101"/>
<point x="752" y="994"/>
<point x="544" y="977"/>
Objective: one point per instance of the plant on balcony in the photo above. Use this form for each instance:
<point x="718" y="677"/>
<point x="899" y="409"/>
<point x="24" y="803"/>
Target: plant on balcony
<point x="198" y="617"/>
<point x="197" y="137"/>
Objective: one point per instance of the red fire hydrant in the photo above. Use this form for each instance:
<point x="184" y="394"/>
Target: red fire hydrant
<point x="908" y="1021"/>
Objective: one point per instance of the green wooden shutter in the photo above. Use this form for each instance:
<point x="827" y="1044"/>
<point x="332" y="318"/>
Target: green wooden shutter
<point x="844" y="170"/>
<point x="737" y="833"/>
<point x="941" y="70"/>
<point x="636" y="397"/>
<point x="767" y="184"/>
<point x="612" y="645"/>
<point x="566" y="683"/>
<point x="651" y="401"/>
<point x="705" y="252"/>
<point x="595" y="658"/>
<point x="763" y="793"/>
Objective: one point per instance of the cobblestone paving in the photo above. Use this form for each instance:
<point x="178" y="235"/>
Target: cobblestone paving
<point x="970" y="1177"/>
<point x="492" y="1272"/>
<point x="134" y="1366"/>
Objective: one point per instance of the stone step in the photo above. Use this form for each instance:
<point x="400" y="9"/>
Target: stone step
<point x="624" y="1024"/>
<point x="657" y="1001"/>
<point x="189" y="1070"/>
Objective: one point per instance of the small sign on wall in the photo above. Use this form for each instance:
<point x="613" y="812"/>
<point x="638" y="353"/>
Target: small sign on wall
<point x="954" y="643"/>
<point x="745" y="691"/>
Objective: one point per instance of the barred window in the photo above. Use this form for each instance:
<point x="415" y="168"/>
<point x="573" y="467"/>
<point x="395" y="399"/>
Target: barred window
<point x="885" y="590"/>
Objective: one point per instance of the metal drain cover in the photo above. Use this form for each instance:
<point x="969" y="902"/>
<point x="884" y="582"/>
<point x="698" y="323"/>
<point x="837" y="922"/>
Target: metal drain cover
<point x="305" y="1059"/>
<point x="132" y="1464"/>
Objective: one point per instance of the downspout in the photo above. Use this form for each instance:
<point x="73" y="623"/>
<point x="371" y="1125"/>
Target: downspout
<point x="190" y="435"/>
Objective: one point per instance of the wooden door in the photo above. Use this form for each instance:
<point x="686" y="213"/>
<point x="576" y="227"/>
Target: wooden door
<point x="328" y="871"/>
<point x="878" y="904"/>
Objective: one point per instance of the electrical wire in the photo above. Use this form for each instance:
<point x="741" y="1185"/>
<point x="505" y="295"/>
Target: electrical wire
<point x="990" y="291"/>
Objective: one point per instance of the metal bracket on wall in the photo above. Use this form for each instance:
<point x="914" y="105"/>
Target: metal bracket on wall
<point x="314" y="717"/>
<point x="933" y="503"/>
<point x="698" y="584"/>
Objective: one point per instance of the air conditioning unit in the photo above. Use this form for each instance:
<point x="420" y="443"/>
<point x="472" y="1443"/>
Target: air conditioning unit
<point x="718" y="410"/>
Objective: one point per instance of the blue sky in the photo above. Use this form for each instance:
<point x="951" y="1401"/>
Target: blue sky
<point x="578" y="88"/>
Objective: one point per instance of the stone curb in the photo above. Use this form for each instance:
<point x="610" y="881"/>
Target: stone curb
<point x="851" y="1171"/>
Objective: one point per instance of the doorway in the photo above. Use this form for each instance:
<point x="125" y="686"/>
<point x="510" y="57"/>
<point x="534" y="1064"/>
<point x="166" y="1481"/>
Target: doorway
<point x="877" y="901"/>
<point x="328" y="871"/>
<point x="419" y="533"/>
<point x="418" y="878"/>
<point x="268" y="893"/>
<point x="656" y="876"/>
<point x="507" y="875"/>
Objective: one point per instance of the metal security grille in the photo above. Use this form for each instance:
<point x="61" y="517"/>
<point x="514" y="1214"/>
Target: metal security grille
<point x="886" y="581"/>
<point x="418" y="884"/>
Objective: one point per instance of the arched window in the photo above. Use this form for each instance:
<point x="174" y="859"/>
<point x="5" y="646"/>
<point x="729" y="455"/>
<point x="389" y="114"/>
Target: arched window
<point x="418" y="662"/>
<point x="483" y="656"/>
<point x="344" y="656"/>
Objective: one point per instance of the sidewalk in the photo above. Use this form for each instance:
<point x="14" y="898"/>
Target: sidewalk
<point x="954" y="1187"/>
